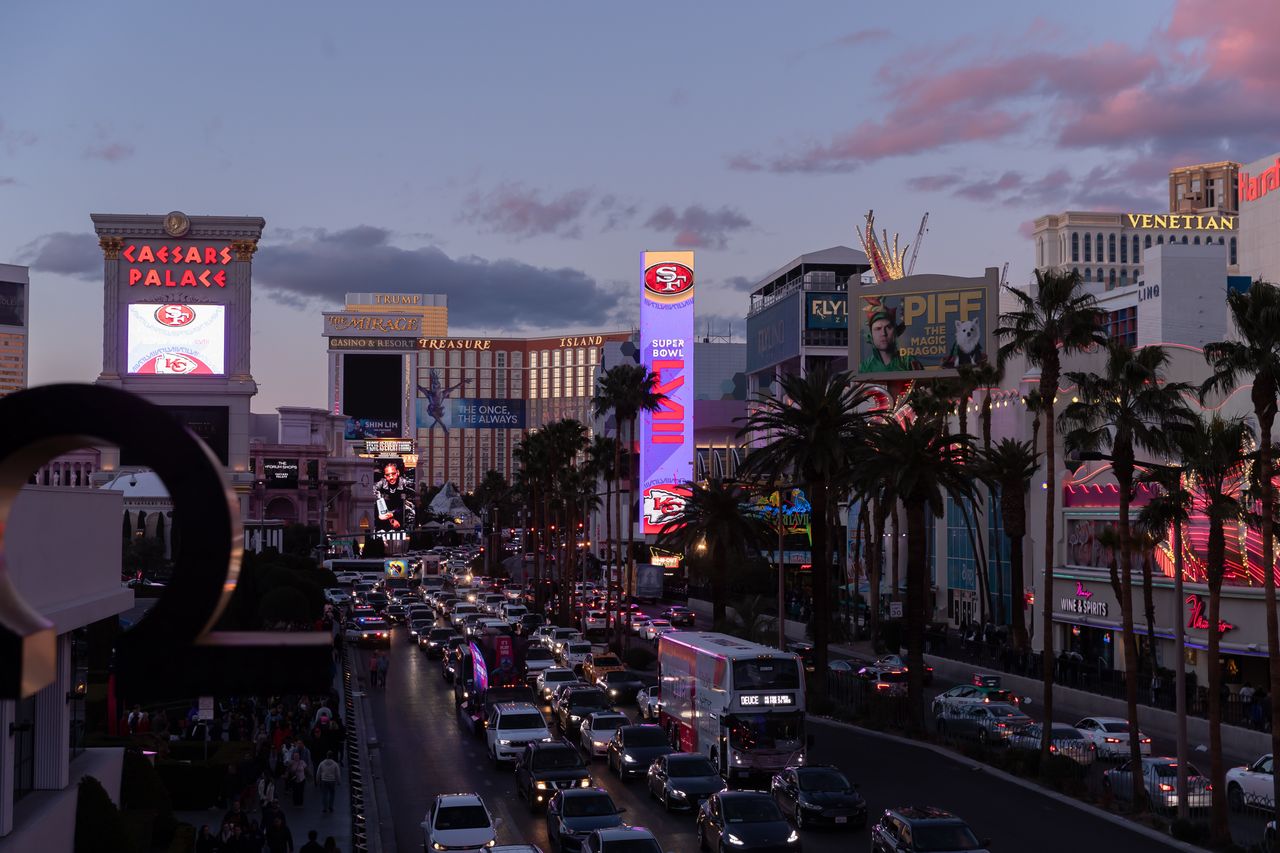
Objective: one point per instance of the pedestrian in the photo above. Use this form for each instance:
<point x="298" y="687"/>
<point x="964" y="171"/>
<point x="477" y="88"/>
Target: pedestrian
<point x="298" y="772"/>
<point x="266" y="791"/>
<point x="373" y="669"/>
<point x="328" y="774"/>
<point x="384" y="663"/>
<point x="312" y="846"/>
<point x="1155" y="688"/>
<point x="206" y="841"/>
<point x="278" y="837"/>
<point x="331" y="845"/>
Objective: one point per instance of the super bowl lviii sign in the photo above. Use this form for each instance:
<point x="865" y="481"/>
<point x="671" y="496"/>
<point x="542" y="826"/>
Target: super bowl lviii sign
<point x="666" y="349"/>
<point x="922" y="326"/>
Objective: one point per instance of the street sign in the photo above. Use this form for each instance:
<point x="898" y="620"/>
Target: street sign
<point x="895" y="609"/>
<point x="206" y="708"/>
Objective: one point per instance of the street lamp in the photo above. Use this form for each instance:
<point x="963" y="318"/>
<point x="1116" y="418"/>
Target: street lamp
<point x="1179" y="673"/>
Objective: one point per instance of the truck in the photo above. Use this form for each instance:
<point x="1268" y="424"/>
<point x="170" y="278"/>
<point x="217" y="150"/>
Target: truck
<point x="740" y="704"/>
<point x="497" y="674"/>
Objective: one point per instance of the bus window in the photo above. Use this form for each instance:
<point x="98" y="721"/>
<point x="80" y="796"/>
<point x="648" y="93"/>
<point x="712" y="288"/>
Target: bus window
<point x="766" y="674"/>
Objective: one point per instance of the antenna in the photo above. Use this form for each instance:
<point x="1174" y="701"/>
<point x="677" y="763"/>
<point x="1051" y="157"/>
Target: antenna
<point x="1004" y="274"/>
<point x="915" y="250"/>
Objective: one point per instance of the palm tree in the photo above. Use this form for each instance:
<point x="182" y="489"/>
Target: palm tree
<point x="1059" y="319"/>
<point x="1010" y="465"/>
<point x="987" y="376"/>
<point x="1216" y="459"/>
<point x="1127" y="408"/>
<point x="627" y="390"/>
<point x="812" y="432"/>
<point x="604" y="454"/>
<point x="924" y="465"/>
<point x="716" y="522"/>
<point x="1255" y="357"/>
<point x="492" y="495"/>
<point x="1035" y="405"/>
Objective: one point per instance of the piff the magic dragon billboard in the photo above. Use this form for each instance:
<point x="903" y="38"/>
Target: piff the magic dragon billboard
<point x="666" y="348"/>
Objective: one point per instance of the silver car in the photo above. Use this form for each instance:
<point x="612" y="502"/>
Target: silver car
<point x="1160" y="777"/>
<point x="1064" y="740"/>
<point x="994" y="723"/>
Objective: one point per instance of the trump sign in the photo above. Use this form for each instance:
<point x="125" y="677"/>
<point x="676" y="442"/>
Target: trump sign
<point x="666" y="349"/>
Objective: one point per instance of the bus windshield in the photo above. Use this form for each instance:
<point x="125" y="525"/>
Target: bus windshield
<point x="765" y="731"/>
<point x="766" y="674"/>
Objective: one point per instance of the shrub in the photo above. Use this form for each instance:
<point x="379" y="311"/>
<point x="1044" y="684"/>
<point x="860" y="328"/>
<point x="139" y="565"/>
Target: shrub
<point x="142" y="789"/>
<point x="99" y="826"/>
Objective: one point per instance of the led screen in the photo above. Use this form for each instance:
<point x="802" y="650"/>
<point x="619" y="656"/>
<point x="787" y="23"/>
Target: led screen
<point x="371" y="395"/>
<point x="176" y="338"/>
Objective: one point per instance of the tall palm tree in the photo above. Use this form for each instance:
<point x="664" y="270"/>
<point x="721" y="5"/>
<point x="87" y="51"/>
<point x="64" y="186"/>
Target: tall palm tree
<point x="627" y="390"/>
<point x="1035" y="405"/>
<point x="1060" y="318"/>
<point x="1216" y="458"/>
<point x="813" y="430"/>
<point x="605" y="453"/>
<point x="986" y="376"/>
<point x="530" y="454"/>
<point x="1128" y="408"/>
<point x="1010" y="465"/>
<point x="1255" y="357"/>
<point x="493" y="495"/>
<point x="925" y="465"/>
<point x="716" y="522"/>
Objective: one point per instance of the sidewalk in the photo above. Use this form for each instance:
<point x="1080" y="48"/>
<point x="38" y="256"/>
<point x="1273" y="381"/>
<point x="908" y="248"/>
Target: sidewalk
<point x="300" y="819"/>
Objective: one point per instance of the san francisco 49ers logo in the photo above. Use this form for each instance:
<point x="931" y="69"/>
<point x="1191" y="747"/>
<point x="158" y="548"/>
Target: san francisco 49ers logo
<point x="174" y="315"/>
<point x="668" y="279"/>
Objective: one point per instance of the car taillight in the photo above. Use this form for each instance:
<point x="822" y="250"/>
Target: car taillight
<point x="1004" y="726"/>
<point x="1111" y="739"/>
<point x="1146" y="740"/>
<point x="880" y="685"/>
<point x="1052" y="748"/>
<point x="1165" y="786"/>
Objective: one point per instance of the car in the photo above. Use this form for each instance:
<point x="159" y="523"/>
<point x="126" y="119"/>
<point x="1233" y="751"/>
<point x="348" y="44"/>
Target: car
<point x="551" y="677"/>
<point x="560" y="642"/>
<point x="377" y="600"/>
<point x="681" y="617"/>
<point x="638" y="622"/>
<point x="1110" y="736"/>
<point x="1251" y="785"/>
<point x="461" y="611"/>
<point x="649" y="701"/>
<point x="536" y="660"/>
<point x="482" y="625"/>
<point x="594" y="620"/>
<point x="994" y="723"/>
<point x="459" y="822"/>
<point x="598" y="663"/>
<point x="510" y="726"/>
<point x="899" y="662"/>
<point x="470" y="622"/>
<point x="683" y="780"/>
<point x="1160" y="777"/>
<point x="1064" y="740"/>
<point x="890" y="682"/>
<point x="620" y="684"/>
<point x="336" y="595"/>
<point x="744" y="820"/>
<point x="368" y="631"/>
<point x="419" y="626"/>
<point x="529" y="623"/>
<point x="553" y="638"/>
<point x="576" y="704"/>
<point x="655" y="628"/>
<point x="621" y="839"/>
<point x="541" y="633"/>
<point x="574" y="814"/>
<point x="633" y="749"/>
<point x="513" y="591"/>
<point x="818" y="794"/>
<point x="598" y="729"/>
<point x="545" y="767"/>
<point x="513" y="613"/>
<point x="435" y="640"/>
<point x="967" y="694"/>
<point x="841" y="665"/>
<point x="561" y="692"/>
<point x="573" y="654"/>
<point x="923" y="828"/>
<point x="395" y="612"/>
<point x="346" y="578"/>
<point x="456" y="661"/>
<point x="805" y="651"/>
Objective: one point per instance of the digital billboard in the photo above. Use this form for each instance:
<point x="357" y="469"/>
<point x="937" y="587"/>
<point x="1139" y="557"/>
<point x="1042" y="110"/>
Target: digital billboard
<point x="393" y="496"/>
<point x="826" y="310"/>
<point x="13" y="297"/>
<point x="176" y="339"/>
<point x="466" y="413"/>
<point x="666" y="349"/>
<point x="923" y="326"/>
<point x="209" y="423"/>
<point x="773" y="335"/>
<point x="371" y="395"/>
<point x="280" y="473"/>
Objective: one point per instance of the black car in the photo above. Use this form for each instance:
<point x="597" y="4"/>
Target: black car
<point x="621" y="686"/>
<point x="377" y="600"/>
<point x="745" y="820"/>
<point x="457" y="663"/>
<point x="634" y="748"/>
<point x="575" y="705"/>
<point x="436" y="640"/>
<point x="529" y="623"/>
<point x="418" y="627"/>
<point x="573" y="814"/>
<point x="922" y="828"/>
<point x="546" y="767"/>
<point x="679" y="617"/>
<point x="396" y="612"/>
<point x="805" y="651"/>
<point x="819" y="795"/>
<point x="683" y="780"/>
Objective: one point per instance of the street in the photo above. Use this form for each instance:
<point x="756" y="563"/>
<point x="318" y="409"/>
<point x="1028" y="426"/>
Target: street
<point x="426" y="752"/>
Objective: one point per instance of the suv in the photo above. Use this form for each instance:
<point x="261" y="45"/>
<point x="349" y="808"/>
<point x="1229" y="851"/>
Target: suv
<point x="576" y="704"/>
<point x="621" y="839"/>
<point x="597" y="665"/>
<point x="634" y="748"/>
<point x="545" y="767"/>
<point x="510" y="726"/>
<point x="459" y="822"/>
<point x="922" y="828"/>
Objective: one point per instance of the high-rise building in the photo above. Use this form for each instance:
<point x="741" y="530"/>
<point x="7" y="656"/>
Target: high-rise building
<point x="1204" y="188"/>
<point x="14" y="285"/>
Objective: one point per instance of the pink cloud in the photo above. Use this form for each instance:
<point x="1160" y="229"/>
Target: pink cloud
<point x="112" y="152"/>
<point x="932" y="183"/>
<point x="1026" y="229"/>
<point x="520" y="211"/>
<point x="696" y="227"/>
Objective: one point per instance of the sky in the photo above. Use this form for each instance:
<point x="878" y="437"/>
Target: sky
<point x="519" y="156"/>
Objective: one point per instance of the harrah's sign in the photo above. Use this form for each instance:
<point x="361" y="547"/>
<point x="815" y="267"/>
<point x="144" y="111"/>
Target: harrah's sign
<point x="1254" y="187"/>
<point x="176" y="264"/>
<point x="666" y="349"/>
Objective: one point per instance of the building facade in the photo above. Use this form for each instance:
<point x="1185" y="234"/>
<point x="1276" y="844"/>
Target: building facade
<point x="15" y="284"/>
<point x="1259" y="198"/>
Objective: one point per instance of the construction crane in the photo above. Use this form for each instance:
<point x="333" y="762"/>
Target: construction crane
<point x="1004" y="274"/>
<point x="915" y="250"/>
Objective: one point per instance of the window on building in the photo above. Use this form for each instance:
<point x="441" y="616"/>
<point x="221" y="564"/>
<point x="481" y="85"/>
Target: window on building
<point x="22" y="739"/>
<point x="1075" y="246"/>
<point x="1124" y="277"/>
<point x="1197" y="240"/>
<point x="1184" y="239"/>
<point x="1111" y="279"/>
<point x="1098" y="247"/>
<point x="1122" y="325"/>
<point x="1136" y="253"/>
<point x="1111" y="248"/>
<point x="1147" y="242"/>
<point x="1040" y="252"/>
<point x="1124" y="250"/>
<point x="962" y="567"/>
<point x="1076" y="271"/>
<point x="1100" y="279"/>
<point x="1232" y="252"/>
<point x="1159" y="239"/>
<point x="1088" y="248"/>
<point x="1088" y="274"/>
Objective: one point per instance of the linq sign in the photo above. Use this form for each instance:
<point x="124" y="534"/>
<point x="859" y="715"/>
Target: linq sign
<point x="176" y="265"/>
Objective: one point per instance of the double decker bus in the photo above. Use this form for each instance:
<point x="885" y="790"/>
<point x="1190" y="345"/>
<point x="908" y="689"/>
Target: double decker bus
<point x="739" y="703"/>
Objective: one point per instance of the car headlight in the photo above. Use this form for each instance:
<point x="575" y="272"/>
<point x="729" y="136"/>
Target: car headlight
<point x="574" y="718"/>
<point x="613" y="692"/>
<point x="735" y="840"/>
<point x="793" y="837"/>
<point x="628" y="758"/>
<point x="811" y="807"/>
<point x="584" y="783"/>
<point x="679" y="795"/>
<point x="491" y="842"/>
<point x="541" y="786"/>
<point x="601" y="743"/>
<point x="504" y="743"/>
<point x="436" y="845"/>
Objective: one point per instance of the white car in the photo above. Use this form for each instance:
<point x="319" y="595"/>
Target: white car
<point x="655" y="628"/>
<point x="483" y="625"/>
<point x="1110" y="736"/>
<point x="598" y="729"/>
<point x="459" y="823"/>
<point x="574" y="654"/>
<point x="562" y="637"/>
<point x="513" y="613"/>
<point x="594" y="620"/>
<point x="336" y="595"/>
<point x="346" y="578"/>
<point x="638" y="624"/>
<point x="510" y="726"/>
<point x="551" y="678"/>
<point x="542" y="635"/>
<point x="1251" y="785"/>
<point x="649" y="701"/>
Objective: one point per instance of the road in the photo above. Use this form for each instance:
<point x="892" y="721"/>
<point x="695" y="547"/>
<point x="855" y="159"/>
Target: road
<point x="425" y="752"/>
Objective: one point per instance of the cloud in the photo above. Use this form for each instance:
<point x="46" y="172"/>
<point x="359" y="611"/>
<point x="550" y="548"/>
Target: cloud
<point x="1102" y="188"/>
<point x="741" y="283"/>
<point x="932" y="183"/>
<point x="519" y="211"/>
<point x="8" y="181"/>
<point x="12" y="139"/>
<point x="860" y="37"/>
<point x="64" y="253"/>
<point x="696" y="227"/>
<point x="321" y="266"/>
<point x="112" y="152"/>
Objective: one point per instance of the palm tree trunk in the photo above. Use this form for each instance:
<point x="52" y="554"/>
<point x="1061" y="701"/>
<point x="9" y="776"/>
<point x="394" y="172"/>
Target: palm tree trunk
<point x="608" y="537"/>
<point x="1219" y="830"/>
<point x="1049" y="387"/>
<point x="876" y="572"/>
<point x="616" y="580"/>
<point x="1017" y="594"/>
<point x="719" y="589"/>
<point x="820" y="579"/>
<point x="1265" y="408"/>
<point x="917" y="557"/>
<point x="1124" y="479"/>
<point x="896" y="550"/>
<point x="631" y="529"/>
<point x="1149" y="605"/>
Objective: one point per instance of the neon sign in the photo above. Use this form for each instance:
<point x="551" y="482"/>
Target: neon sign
<point x="1183" y="221"/>
<point x="1254" y="187"/>
<point x="1199" y="621"/>
<point x="176" y="264"/>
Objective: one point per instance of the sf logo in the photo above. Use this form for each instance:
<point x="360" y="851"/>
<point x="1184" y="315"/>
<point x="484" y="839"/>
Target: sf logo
<point x="175" y="315"/>
<point x="671" y="279"/>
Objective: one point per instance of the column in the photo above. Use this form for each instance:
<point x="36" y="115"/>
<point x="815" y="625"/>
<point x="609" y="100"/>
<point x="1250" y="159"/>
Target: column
<point x="6" y="767"/>
<point x="53" y="733"/>
<point x="111" y="247"/>
<point x="241" y="304"/>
